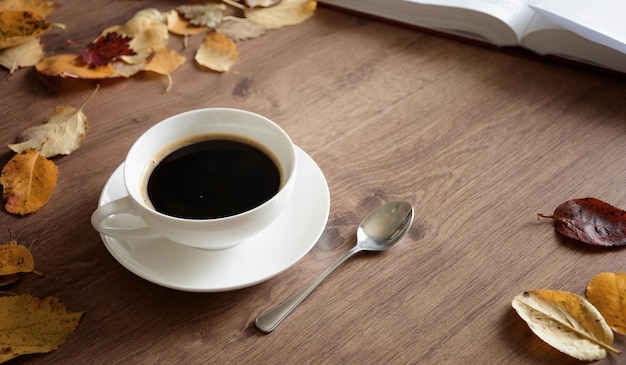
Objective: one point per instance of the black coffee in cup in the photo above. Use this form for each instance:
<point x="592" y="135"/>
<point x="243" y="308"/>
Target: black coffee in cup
<point x="213" y="178"/>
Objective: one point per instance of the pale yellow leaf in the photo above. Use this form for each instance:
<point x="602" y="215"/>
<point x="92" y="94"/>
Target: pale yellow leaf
<point x="240" y="29"/>
<point x="23" y="55"/>
<point x="61" y="134"/>
<point x="217" y="52"/>
<point x="30" y="324"/>
<point x="261" y="3"/>
<point x="567" y="322"/>
<point x="208" y="15"/>
<point x="148" y="35"/>
<point x="607" y="292"/>
<point x="181" y="26"/>
<point x="287" y="12"/>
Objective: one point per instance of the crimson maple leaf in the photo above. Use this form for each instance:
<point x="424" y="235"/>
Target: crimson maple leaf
<point x="107" y="48"/>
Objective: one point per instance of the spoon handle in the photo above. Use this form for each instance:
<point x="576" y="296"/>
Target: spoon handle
<point x="267" y="322"/>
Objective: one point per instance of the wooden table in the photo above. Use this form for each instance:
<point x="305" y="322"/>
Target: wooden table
<point x="480" y="141"/>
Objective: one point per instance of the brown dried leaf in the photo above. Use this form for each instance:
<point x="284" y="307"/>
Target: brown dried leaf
<point x="17" y="27"/>
<point x="23" y="55"/>
<point x="9" y="279"/>
<point x="217" y="52"/>
<point x="28" y="180"/>
<point x="287" y="12"/>
<point x="29" y="325"/>
<point x="240" y="29"/>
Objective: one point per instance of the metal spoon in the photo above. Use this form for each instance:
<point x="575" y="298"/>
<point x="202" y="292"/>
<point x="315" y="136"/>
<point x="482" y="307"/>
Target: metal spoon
<point x="381" y="229"/>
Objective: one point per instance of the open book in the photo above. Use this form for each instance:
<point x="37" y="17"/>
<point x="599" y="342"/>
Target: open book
<point x="587" y="31"/>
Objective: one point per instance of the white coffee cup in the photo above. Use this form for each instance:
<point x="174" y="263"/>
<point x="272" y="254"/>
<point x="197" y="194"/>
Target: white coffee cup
<point x="216" y="233"/>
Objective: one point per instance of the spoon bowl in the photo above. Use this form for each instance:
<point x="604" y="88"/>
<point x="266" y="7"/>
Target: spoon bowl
<point x="380" y="229"/>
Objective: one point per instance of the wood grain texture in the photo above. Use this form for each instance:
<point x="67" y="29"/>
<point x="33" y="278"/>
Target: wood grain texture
<point x="478" y="140"/>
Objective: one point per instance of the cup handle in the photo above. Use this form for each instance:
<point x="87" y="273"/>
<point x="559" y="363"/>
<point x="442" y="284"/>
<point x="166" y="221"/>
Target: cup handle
<point x="119" y="206"/>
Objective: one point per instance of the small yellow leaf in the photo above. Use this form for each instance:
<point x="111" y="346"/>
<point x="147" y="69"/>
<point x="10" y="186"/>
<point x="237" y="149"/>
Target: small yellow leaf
<point x="40" y="7"/>
<point x="217" y="52"/>
<point x="164" y="62"/>
<point x="71" y="65"/>
<point x="15" y="258"/>
<point x="287" y="12"/>
<point x="17" y="27"/>
<point x="30" y="324"/>
<point x="28" y="180"/>
<point x="62" y="134"/>
<point x="181" y="26"/>
<point x="607" y="292"/>
<point x="567" y="322"/>
<point x="23" y="55"/>
<point x="240" y="29"/>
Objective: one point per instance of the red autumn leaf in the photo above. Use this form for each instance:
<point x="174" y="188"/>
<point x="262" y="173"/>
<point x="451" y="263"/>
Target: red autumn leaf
<point x="106" y="48"/>
<point x="590" y="220"/>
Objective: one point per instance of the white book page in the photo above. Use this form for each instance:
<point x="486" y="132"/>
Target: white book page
<point x="602" y="21"/>
<point x="515" y="13"/>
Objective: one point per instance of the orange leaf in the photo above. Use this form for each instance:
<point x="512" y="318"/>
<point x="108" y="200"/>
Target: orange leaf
<point x="28" y="180"/>
<point x="17" y="27"/>
<point x="30" y="324"/>
<point x="39" y="7"/>
<point x="217" y="52"/>
<point x="71" y="65"/>
<point x="607" y="292"/>
<point x="15" y="258"/>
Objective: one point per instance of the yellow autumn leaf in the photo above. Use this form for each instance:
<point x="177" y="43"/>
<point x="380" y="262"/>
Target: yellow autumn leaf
<point x="71" y="65"/>
<point x="28" y="180"/>
<point x="607" y="292"/>
<point x="148" y="35"/>
<point x="217" y="52"/>
<point x="61" y="134"/>
<point x="40" y="7"/>
<point x="30" y="325"/>
<point x="17" y="27"/>
<point x="181" y="26"/>
<point x="239" y="29"/>
<point x="164" y="62"/>
<point x="15" y="258"/>
<point x="23" y="55"/>
<point x="287" y="12"/>
<point x="567" y="322"/>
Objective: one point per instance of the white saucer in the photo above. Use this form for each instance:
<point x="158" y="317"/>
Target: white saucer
<point x="272" y="251"/>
